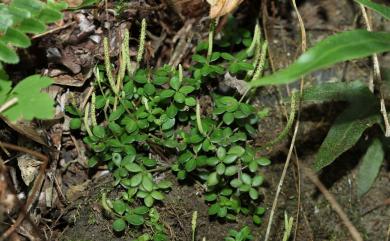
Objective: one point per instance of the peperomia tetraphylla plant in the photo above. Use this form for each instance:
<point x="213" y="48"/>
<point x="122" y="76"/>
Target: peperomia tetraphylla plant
<point x="141" y="119"/>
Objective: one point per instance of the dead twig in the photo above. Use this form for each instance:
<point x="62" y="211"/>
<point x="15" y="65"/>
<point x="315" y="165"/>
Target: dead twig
<point x="8" y="104"/>
<point x="384" y="203"/>
<point x="333" y="203"/>
<point x="34" y="191"/>
<point x="53" y="30"/>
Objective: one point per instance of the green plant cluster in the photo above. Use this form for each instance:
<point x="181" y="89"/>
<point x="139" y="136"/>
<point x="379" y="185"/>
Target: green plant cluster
<point x="243" y="235"/>
<point x="18" y="19"/>
<point x="140" y="119"/>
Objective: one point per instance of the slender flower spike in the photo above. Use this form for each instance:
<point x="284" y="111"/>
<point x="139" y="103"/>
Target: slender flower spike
<point x="141" y="46"/>
<point x="86" y="123"/>
<point x="180" y="73"/>
<point x="261" y="62"/>
<point x="107" y="64"/>
<point x="193" y="224"/>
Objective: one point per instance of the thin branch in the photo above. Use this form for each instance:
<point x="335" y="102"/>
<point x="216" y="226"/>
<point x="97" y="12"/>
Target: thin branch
<point x="334" y="204"/>
<point x="8" y="104"/>
<point x="34" y="191"/>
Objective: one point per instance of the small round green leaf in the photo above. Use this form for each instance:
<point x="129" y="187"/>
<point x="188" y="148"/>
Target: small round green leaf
<point x="253" y="166"/>
<point x="229" y="159"/>
<point x="164" y="184"/>
<point x="168" y="124"/>
<point x="235" y="183"/>
<point x="8" y="55"/>
<point x="213" y="209"/>
<point x="210" y="197"/>
<point x="228" y="118"/>
<point x="222" y="212"/>
<point x="131" y="126"/>
<point x="212" y="161"/>
<point x="133" y="167"/>
<point x="190" y="165"/>
<point x="190" y="101"/>
<point x="140" y="210"/>
<point x="99" y="131"/>
<point x="246" y="179"/>
<point x="16" y="38"/>
<point x="171" y="111"/>
<point x="116" y="159"/>
<point x="136" y="180"/>
<point x="157" y="195"/>
<point x="167" y="93"/>
<point x="221" y="152"/>
<point x="175" y="83"/>
<point x="149" y="89"/>
<point x="186" y="89"/>
<point x="147" y="183"/>
<point x="253" y="194"/>
<point x="257" y="181"/>
<point x="135" y="219"/>
<point x="220" y="169"/>
<point x="149" y="200"/>
<point x="262" y="161"/>
<point x="256" y="220"/>
<point x="75" y="123"/>
<point x="236" y="150"/>
<point x="231" y="170"/>
<point x="229" y="103"/>
<point x="31" y="25"/>
<point x="179" y="97"/>
<point x="119" y="206"/>
<point x="119" y="225"/>
<point x="212" y="179"/>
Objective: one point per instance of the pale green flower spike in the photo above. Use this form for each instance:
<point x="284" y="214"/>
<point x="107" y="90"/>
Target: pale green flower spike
<point x="290" y="121"/>
<point x="180" y="73"/>
<point x="288" y="224"/>
<point x="193" y="223"/>
<point x="126" y="52"/>
<point x="122" y="67"/>
<point x="255" y="41"/>
<point x="141" y="46"/>
<point x="211" y="39"/>
<point x="86" y="124"/>
<point x="260" y="65"/>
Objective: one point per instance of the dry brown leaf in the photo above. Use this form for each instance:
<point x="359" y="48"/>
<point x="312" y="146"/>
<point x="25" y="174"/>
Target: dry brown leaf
<point x="219" y="8"/>
<point x="26" y="129"/>
<point x="29" y="167"/>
